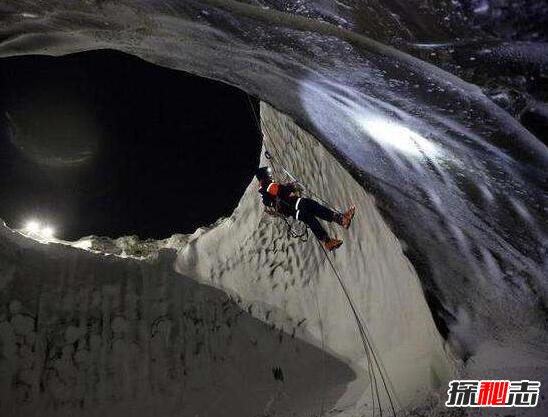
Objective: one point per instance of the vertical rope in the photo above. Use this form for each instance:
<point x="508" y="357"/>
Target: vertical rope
<point x="367" y="345"/>
<point x="276" y="160"/>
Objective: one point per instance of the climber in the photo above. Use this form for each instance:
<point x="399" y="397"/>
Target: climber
<point x="285" y="200"/>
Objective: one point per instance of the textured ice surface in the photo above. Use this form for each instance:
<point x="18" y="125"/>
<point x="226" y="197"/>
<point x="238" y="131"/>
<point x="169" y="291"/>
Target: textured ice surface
<point x="251" y="255"/>
<point x="89" y="334"/>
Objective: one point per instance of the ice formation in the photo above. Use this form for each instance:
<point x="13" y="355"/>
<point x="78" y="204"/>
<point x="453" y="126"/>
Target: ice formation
<point x="414" y="114"/>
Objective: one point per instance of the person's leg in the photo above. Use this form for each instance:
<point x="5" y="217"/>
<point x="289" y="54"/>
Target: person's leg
<point x="313" y="208"/>
<point x="320" y="233"/>
<point x="313" y="224"/>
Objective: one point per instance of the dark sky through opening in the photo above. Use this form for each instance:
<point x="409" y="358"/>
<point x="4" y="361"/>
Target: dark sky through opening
<point x="104" y="143"/>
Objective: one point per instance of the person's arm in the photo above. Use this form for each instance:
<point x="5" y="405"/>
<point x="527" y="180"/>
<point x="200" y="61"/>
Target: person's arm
<point x="269" y="197"/>
<point x="291" y="188"/>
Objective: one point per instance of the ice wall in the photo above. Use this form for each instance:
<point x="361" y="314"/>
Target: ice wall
<point x="250" y="254"/>
<point x="88" y="334"/>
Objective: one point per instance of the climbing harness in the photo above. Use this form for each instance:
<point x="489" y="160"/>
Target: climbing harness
<point x="274" y="161"/>
<point x="299" y="232"/>
<point x="295" y="229"/>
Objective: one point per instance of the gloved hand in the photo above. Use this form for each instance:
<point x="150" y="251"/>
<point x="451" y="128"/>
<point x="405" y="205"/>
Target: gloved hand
<point x="296" y="187"/>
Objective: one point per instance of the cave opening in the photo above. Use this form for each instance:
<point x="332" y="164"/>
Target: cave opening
<point x="536" y="121"/>
<point x="104" y="143"/>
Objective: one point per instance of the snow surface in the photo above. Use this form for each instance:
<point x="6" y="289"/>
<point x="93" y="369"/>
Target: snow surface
<point x="84" y="333"/>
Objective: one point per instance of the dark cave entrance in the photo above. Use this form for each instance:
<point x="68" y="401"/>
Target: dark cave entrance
<point x="536" y="121"/>
<point x="105" y="143"/>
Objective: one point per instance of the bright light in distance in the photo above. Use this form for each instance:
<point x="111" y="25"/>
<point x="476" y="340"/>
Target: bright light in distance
<point x="47" y="231"/>
<point x="33" y="227"/>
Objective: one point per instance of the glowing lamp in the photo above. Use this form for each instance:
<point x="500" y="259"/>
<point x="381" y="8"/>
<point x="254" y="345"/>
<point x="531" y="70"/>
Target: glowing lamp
<point x="47" y="231"/>
<point x="32" y="226"/>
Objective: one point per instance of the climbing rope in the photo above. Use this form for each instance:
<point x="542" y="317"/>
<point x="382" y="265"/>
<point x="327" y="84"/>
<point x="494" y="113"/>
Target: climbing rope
<point x="374" y="365"/>
<point x="274" y="160"/>
<point x="322" y="345"/>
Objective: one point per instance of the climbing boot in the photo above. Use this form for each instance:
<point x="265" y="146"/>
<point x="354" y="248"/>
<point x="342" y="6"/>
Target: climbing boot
<point x="347" y="216"/>
<point x="332" y="244"/>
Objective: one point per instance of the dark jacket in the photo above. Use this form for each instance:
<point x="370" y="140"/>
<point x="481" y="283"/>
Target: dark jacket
<point x="280" y="197"/>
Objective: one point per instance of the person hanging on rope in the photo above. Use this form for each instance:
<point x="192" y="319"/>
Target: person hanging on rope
<point x="285" y="200"/>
